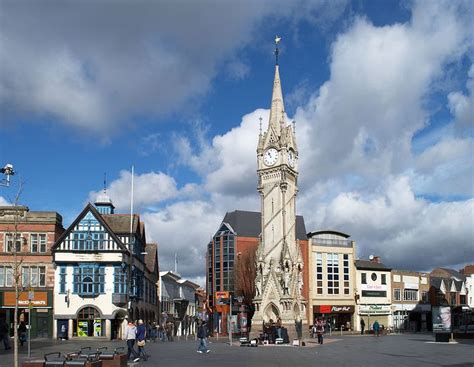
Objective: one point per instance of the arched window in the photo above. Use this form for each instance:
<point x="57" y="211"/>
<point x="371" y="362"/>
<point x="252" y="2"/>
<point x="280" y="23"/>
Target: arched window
<point x="88" y="313"/>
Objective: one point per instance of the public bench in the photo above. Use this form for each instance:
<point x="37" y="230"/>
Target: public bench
<point x="117" y="358"/>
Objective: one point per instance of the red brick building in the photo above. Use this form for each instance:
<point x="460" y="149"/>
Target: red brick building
<point x="31" y="234"/>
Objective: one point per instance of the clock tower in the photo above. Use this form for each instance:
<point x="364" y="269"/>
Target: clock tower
<point x="279" y="278"/>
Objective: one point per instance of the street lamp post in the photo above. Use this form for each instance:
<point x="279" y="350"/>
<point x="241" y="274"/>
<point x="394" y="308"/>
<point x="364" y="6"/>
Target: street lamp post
<point x="7" y="171"/>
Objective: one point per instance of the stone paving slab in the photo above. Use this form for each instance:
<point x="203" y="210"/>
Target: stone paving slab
<point x="393" y="350"/>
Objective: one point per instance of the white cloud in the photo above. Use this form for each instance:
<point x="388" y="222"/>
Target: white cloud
<point x="149" y="189"/>
<point x="358" y="172"/>
<point x="405" y="231"/>
<point x="462" y="106"/>
<point x="96" y="65"/>
<point x="4" y="202"/>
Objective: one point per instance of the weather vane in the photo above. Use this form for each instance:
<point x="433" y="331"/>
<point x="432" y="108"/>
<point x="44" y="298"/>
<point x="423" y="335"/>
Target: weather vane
<point x="277" y="51"/>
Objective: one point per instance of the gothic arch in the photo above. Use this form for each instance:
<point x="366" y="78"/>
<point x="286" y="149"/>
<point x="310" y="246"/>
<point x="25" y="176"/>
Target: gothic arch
<point x="271" y="312"/>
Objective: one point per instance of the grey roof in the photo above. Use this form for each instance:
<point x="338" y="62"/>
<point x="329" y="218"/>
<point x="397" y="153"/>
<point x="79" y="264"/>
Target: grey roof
<point x="151" y="256"/>
<point x="370" y="265"/>
<point x="248" y="224"/>
<point x="120" y="223"/>
<point x="436" y="282"/>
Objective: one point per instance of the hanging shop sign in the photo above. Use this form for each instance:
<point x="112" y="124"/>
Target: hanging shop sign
<point x="26" y="299"/>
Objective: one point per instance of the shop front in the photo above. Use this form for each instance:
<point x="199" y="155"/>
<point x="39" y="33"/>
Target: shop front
<point x="338" y="316"/>
<point x="34" y="308"/>
<point x="375" y="312"/>
<point x="88" y="323"/>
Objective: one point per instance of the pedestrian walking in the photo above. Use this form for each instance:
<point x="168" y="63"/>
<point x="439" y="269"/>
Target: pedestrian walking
<point x="4" y="334"/>
<point x="153" y="332"/>
<point x="130" y="337"/>
<point x="141" y="340"/>
<point x="202" y="336"/>
<point x="320" y="331"/>
<point x="362" y="326"/>
<point x="376" y="327"/>
<point x="22" y="333"/>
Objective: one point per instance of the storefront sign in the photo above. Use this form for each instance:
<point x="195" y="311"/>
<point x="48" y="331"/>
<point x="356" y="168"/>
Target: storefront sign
<point x="374" y="309"/>
<point x="373" y="287"/>
<point x="333" y="309"/>
<point x="40" y="299"/>
<point x="410" y="285"/>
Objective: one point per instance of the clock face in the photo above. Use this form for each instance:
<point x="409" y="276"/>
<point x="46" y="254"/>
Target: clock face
<point x="291" y="158"/>
<point x="270" y="157"/>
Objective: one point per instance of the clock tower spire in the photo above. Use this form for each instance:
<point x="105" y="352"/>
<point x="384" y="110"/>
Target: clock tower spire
<point x="279" y="277"/>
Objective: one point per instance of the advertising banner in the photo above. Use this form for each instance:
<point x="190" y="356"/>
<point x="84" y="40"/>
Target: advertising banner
<point x="441" y="316"/>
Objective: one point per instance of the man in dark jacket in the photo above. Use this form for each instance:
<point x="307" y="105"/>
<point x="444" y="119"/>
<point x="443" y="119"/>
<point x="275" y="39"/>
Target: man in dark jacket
<point x="202" y="335"/>
<point x="362" y="326"/>
<point x="4" y="335"/>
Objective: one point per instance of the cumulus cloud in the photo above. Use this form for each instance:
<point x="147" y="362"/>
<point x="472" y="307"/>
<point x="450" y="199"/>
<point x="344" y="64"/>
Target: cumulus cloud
<point x="462" y="105"/>
<point x="97" y="65"/>
<point x="358" y="170"/>
<point x="405" y="231"/>
<point x="149" y="189"/>
<point x="3" y="201"/>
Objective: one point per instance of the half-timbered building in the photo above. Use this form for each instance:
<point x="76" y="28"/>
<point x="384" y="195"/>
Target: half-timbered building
<point x="105" y="273"/>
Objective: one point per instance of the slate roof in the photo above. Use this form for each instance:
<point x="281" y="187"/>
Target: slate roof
<point x="436" y="283"/>
<point x="248" y="224"/>
<point x="370" y="265"/>
<point x="453" y="273"/>
<point x="151" y="256"/>
<point x="120" y="223"/>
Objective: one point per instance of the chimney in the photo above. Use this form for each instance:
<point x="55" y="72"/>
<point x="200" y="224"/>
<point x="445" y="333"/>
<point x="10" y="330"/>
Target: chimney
<point x="375" y="259"/>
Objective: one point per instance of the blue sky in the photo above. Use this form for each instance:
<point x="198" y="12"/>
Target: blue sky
<point x="381" y="92"/>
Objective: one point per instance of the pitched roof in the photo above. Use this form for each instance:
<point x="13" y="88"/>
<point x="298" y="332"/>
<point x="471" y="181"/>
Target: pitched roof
<point x="120" y="223"/>
<point x="151" y="259"/>
<point x="99" y="217"/>
<point x="370" y="265"/>
<point x="447" y="273"/>
<point x="248" y="224"/>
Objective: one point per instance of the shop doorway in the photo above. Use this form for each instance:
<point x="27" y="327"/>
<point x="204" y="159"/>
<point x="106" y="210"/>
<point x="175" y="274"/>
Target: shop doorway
<point x="89" y="323"/>
<point x="42" y="325"/>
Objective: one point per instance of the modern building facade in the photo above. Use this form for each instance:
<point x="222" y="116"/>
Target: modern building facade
<point x="237" y="235"/>
<point x="411" y="308"/>
<point x="31" y="234"/>
<point x="179" y="302"/>
<point x="105" y="273"/>
<point x="332" y="279"/>
<point x="373" y="293"/>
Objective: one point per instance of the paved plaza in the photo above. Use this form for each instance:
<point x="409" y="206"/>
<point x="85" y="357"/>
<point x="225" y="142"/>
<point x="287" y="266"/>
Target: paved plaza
<point x="355" y="350"/>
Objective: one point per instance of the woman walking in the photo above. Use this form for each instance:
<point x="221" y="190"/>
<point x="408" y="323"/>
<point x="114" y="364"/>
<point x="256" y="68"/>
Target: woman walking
<point x="141" y="337"/>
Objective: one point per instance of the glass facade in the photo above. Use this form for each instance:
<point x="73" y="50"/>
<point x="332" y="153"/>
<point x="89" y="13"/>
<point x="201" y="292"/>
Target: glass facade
<point x="89" y="280"/>
<point x="221" y="254"/>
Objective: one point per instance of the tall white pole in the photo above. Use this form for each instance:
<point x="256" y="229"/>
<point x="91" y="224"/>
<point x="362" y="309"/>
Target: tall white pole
<point x="131" y="212"/>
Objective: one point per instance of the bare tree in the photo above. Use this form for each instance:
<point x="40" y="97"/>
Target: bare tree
<point x="245" y="270"/>
<point x="16" y="243"/>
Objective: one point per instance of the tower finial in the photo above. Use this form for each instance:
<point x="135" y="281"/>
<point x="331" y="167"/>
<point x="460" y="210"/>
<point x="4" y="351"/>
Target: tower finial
<point x="260" y="118"/>
<point x="294" y="126"/>
<point x="277" y="51"/>
<point x="105" y="182"/>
